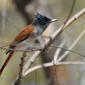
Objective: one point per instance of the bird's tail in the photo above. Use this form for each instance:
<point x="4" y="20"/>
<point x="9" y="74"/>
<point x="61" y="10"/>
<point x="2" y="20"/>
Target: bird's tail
<point x="6" y="62"/>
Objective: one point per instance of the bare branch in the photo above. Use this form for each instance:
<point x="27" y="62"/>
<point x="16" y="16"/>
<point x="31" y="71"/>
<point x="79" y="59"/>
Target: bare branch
<point x="72" y="46"/>
<point x="71" y="11"/>
<point x="70" y="21"/>
<point x="19" y="77"/>
<point x="66" y="49"/>
<point x="49" y="64"/>
<point x="56" y="55"/>
<point x="61" y="29"/>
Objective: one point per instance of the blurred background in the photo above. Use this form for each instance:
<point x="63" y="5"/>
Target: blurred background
<point x="16" y="14"/>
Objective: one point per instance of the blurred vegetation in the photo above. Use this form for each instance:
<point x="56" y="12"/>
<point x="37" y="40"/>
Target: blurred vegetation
<point x="12" y="22"/>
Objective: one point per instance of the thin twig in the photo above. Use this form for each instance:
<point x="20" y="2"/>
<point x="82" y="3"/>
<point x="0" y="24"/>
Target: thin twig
<point x="19" y="77"/>
<point x="72" y="46"/>
<point x="37" y="49"/>
<point x="66" y="49"/>
<point x="56" y="55"/>
<point x="71" y="11"/>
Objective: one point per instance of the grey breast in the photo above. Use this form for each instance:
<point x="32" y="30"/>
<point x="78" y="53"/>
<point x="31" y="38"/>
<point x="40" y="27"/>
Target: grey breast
<point x="38" y="31"/>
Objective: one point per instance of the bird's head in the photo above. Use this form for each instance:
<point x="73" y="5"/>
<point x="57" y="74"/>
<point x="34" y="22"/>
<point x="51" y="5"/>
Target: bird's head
<point x="43" y="21"/>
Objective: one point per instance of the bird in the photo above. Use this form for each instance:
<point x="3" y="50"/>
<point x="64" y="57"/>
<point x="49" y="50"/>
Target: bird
<point x="38" y="25"/>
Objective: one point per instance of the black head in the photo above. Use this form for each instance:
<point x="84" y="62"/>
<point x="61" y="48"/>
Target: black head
<point x="42" y="21"/>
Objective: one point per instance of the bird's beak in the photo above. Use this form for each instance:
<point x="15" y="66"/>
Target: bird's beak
<point x="53" y="20"/>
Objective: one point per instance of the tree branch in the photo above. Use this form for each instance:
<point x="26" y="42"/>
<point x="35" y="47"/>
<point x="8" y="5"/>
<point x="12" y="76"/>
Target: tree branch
<point x="72" y="46"/>
<point x="61" y="29"/>
<point x="56" y="55"/>
<point x="49" y="64"/>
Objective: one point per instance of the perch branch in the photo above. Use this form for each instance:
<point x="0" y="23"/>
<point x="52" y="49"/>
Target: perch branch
<point x="61" y="29"/>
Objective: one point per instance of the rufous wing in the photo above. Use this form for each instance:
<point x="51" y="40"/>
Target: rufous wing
<point x="24" y="34"/>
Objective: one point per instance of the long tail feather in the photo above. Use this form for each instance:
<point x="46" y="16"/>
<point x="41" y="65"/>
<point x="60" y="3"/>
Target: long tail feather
<point x="6" y="62"/>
